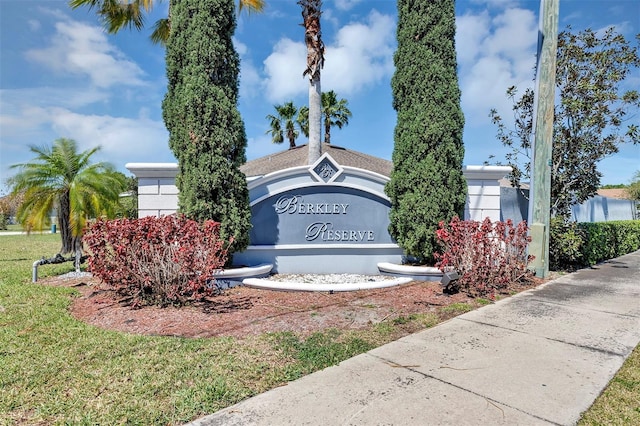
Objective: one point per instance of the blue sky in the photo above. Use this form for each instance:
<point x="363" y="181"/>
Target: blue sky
<point x="61" y="75"/>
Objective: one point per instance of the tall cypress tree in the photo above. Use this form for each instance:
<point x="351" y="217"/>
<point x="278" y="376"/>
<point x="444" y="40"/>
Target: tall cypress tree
<point x="200" y="111"/>
<point x="427" y="185"/>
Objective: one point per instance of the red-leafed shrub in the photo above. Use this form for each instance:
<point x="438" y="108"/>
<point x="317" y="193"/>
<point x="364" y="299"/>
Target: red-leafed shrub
<point x="487" y="256"/>
<point x="167" y="260"/>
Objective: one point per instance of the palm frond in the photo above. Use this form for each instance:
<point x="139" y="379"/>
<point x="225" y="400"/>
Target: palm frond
<point x="251" y="5"/>
<point x="161" y="31"/>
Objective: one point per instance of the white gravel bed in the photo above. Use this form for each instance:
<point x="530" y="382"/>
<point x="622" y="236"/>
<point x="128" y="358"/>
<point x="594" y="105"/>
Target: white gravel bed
<point x="327" y="278"/>
<point x="324" y="282"/>
<point x="74" y="274"/>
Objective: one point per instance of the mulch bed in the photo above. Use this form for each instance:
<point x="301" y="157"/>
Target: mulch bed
<point x="243" y="311"/>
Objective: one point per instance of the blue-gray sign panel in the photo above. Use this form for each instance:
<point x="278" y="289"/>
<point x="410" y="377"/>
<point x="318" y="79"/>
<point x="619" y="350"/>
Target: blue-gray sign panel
<point x="321" y="215"/>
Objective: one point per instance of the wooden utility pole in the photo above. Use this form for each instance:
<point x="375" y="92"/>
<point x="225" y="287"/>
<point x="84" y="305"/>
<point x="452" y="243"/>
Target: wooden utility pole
<point x="540" y="191"/>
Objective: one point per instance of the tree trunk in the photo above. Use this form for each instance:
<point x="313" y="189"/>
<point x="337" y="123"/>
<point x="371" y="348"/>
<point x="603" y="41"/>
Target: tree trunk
<point x="327" y="131"/>
<point x="311" y="11"/>
<point x="292" y="138"/>
<point x="77" y="244"/>
<point x="315" y="119"/>
<point x="66" y="234"/>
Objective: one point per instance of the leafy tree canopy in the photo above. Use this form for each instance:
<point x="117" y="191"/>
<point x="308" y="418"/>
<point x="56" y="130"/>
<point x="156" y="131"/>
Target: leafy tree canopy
<point x="633" y="190"/>
<point x="594" y="114"/>
<point x="335" y="112"/>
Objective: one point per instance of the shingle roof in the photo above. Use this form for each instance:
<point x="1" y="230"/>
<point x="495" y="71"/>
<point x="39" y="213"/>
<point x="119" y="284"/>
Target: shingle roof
<point x="619" y="193"/>
<point x="298" y="157"/>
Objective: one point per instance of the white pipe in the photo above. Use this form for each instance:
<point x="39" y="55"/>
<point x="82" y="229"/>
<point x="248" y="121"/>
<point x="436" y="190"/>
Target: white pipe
<point x="293" y="286"/>
<point x="34" y="273"/>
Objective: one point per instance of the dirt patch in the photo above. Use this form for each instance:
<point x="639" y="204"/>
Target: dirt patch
<point x="243" y="311"/>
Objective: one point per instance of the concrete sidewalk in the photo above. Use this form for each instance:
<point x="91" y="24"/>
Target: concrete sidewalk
<point x="540" y="357"/>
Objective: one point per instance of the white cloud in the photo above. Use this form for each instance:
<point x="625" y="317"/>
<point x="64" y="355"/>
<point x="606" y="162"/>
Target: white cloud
<point x="471" y="30"/>
<point x="34" y="24"/>
<point x="12" y="100"/>
<point x="20" y="123"/>
<point x="240" y="47"/>
<point x="346" y="4"/>
<point x="82" y="49"/>
<point x="122" y="139"/>
<point x="516" y="32"/>
<point x="249" y="75"/>
<point x="623" y="28"/>
<point x="494" y="54"/>
<point x="284" y="68"/>
<point x="573" y="16"/>
<point x="262" y="146"/>
<point x="495" y="3"/>
<point x="361" y="55"/>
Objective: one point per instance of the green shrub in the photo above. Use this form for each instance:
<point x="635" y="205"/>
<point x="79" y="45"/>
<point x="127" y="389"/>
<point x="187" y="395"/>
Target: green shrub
<point x="566" y="243"/>
<point x="606" y="240"/>
<point x="628" y="236"/>
<point x="3" y="221"/>
<point x="573" y="245"/>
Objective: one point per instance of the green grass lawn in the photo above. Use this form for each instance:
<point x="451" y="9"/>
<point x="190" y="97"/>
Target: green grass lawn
<point x="12" y="228"/>
<point x="57" y="370"/>
<point x="619" y="404"/>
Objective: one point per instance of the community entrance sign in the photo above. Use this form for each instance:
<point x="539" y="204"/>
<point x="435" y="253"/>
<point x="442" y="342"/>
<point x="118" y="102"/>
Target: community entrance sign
<point x="323" y="218"/>
<point x="325" y="214"/>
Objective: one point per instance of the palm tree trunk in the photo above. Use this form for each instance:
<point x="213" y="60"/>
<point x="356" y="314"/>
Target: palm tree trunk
<point x="327" y="130"/>
<point x="291" y="136"/>
<point x="315" y="120"/>
<point x="311" y="11"/>
<point x="77" y="245"/>
<point x="64" y="210"/>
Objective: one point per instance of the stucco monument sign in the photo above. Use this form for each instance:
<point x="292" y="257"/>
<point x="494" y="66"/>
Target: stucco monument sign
<point x="323" y="218"/>
<point x="320" y="218"/>
<point x="321" y="215"/>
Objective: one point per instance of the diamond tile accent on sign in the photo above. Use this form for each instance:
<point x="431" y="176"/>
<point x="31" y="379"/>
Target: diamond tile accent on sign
<point x="326" y="169"/>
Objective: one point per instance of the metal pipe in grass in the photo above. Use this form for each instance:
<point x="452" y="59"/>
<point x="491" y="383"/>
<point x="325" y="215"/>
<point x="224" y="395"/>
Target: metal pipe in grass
<point x="34" y="273"/>
<point x="58" y="258"/>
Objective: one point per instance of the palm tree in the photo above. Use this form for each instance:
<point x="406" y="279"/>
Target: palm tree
<point x="117" y="14"/>
<point x="303" y="120"/>
<point x="61" y="179"/>
<point x="334" y="113"/>
<point x="311" y="11"/>
<point x="284" y="124"/>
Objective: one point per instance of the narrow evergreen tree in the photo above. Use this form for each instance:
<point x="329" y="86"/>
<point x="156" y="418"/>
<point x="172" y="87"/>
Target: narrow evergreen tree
<point x="200" y="111"/>
<point x="427" y="185"/>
